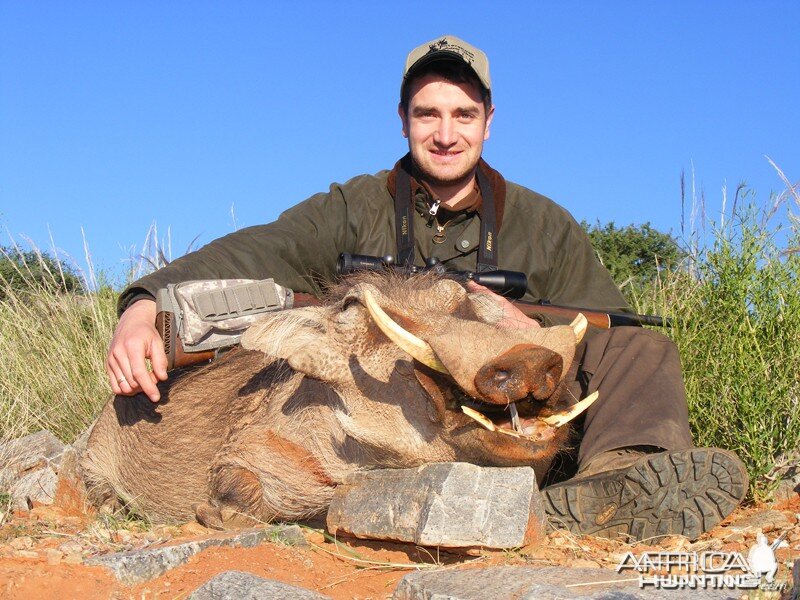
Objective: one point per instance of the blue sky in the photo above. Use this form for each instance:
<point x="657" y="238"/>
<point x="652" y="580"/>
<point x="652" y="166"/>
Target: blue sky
<point x="116" y="115"/>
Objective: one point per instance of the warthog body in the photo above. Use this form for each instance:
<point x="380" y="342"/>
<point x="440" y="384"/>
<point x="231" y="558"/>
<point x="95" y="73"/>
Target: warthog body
<point x="322" y="392"/>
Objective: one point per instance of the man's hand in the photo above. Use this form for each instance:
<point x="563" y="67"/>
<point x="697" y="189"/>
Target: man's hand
<point x="513" y="318"/>
<point x="136" y="339"/>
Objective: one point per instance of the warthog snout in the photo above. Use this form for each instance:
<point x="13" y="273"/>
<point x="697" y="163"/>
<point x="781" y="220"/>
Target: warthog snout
<point x="524" y="370"/>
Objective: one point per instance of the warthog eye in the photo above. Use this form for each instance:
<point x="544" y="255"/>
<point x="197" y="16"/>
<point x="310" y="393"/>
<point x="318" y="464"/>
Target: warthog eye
<point x="348" y="302"/>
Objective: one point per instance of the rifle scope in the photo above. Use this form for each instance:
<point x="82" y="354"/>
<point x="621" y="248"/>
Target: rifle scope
<point x="511" y="284"/>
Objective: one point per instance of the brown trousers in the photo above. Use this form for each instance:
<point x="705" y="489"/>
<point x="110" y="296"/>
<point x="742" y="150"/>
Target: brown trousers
<point x="642" y="397"/>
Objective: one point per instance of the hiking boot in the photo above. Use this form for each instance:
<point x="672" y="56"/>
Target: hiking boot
<point x="686" y="492"/>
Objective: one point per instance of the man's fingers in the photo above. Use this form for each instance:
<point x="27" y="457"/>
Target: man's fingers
<point x="144" y="379"/>
<point x="125" y="377"/>
<point x="474" y="286"/>
<point x="120" y="383"/>
<point x="112" y="379"/>
<point x="513" y="317"/>
<point x="158" y="359"/>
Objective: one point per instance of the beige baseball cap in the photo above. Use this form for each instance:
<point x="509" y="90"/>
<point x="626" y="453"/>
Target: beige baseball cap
<point x="449" y="47"/>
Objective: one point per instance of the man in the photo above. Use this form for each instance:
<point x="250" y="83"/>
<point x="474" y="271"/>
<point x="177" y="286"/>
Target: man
<point x="637" y="474"/>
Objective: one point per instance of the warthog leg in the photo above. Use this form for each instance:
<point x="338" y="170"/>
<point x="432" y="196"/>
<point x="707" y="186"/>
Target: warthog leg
<point x="264" y="476"/>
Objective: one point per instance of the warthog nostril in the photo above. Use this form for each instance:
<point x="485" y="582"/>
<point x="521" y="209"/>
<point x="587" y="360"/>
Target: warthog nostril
<point x="520" y="371"/>
<point x="501" y="376"/>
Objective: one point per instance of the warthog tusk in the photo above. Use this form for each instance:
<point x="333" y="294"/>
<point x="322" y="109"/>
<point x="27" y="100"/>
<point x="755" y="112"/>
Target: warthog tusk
<point x="555" y="421"/>
<point x="579" y="325"/>
<point x="407" y="341"/>
<point x="559" y="419"/>
<point x="479" y="417"/>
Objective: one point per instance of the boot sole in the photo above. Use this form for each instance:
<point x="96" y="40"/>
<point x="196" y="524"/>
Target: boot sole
<point x="670" y="493"/>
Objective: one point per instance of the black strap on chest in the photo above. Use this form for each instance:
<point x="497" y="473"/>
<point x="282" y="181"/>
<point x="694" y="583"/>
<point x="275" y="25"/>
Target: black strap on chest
<point x="487" y="251"/>
<point x="404" y="223"/>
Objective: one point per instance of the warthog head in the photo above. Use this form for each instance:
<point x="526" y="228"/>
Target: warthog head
<point x="417" y="360"/>
<point x="391" y="372"/>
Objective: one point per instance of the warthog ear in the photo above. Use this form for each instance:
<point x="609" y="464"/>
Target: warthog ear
<point x="280" y="334"/>
<point x="300" y="337"/>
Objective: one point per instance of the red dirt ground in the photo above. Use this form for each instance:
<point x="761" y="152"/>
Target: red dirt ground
<point x="36" y="549"/>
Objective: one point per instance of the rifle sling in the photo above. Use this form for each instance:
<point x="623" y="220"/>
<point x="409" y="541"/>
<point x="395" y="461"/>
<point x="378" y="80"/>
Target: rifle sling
<point x="404" y="223"/>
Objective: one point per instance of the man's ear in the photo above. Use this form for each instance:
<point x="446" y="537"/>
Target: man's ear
<point x="489" y="117"/>
<point x="403" y="119"/>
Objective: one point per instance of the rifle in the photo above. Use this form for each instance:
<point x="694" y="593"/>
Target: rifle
<point x="511" y="284"/>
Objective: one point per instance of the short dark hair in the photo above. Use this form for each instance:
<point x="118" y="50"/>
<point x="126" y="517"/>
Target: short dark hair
<point x="454" y="71"/>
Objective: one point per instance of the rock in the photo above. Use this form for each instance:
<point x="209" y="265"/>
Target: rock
<point x="22" y="543"/>
<point x="73" y="558"/>
<point x="500" y="583"/>
<point x="675" y="543"/>
<point x="787" y="490"/>
<point x="452" y="505"/>
<point x="70" y="494"/>
<point x="37" y="486"/>
<point x="765" y="520"/>
<point x="26" y="554"/>
<point x="71" y="546"/>
<point x="81" y="441"/>
<point x="194" y="528"/>
<point x="29" y="452"/>
<point x="138" y="566"/>
<point x="53" y="556"/>
<point x="245" y="586"/>
<point x="29" y="468"/>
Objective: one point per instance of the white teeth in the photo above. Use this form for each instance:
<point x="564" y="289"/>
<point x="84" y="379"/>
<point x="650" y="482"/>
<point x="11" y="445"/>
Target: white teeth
<point x="565" y="416"/>
<point x="512" y="408"/>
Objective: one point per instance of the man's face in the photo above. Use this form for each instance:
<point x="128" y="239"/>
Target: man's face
<point x="446" y="126"/>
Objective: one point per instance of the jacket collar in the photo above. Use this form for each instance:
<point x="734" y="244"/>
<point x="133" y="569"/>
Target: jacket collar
<point x="496" y="180"/>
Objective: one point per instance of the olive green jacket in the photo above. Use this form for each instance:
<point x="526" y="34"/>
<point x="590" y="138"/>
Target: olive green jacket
<point x="301" y="248"/>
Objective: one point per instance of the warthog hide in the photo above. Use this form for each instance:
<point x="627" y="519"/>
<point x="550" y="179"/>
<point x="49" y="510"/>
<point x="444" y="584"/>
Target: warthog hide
<point x="317" y="393"/>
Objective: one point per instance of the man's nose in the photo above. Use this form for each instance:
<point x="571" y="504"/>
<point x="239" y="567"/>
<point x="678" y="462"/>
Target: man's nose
<point x="445" y="132"/>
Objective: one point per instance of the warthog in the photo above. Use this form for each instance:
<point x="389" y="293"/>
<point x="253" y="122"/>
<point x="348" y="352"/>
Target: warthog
<point x="391" y="372"/>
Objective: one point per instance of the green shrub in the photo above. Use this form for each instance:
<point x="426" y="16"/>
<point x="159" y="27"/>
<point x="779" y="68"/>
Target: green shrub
<point x="635" y="255"/>
<point x="32" y="271"/>
<point x="736" y="309"/>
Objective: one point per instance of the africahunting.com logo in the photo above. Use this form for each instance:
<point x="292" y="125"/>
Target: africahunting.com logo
<point x="709" y="569"/>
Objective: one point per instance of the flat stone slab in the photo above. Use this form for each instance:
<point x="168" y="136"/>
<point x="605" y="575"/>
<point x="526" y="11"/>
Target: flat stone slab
<point x="138" y="566"/>
<point x="236" y="585"/>
<point x="21" y="454"/>
<point x="548" y="583"/>
<point x="36" y="486"/>
<point x="453" y="505"/>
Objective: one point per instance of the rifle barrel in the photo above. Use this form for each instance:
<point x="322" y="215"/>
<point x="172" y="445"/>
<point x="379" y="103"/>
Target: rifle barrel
<point x="597" y="318"/>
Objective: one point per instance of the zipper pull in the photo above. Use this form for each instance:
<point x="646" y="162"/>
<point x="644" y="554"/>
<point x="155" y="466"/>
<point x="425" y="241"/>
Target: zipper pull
<point x="434" y="208"/>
